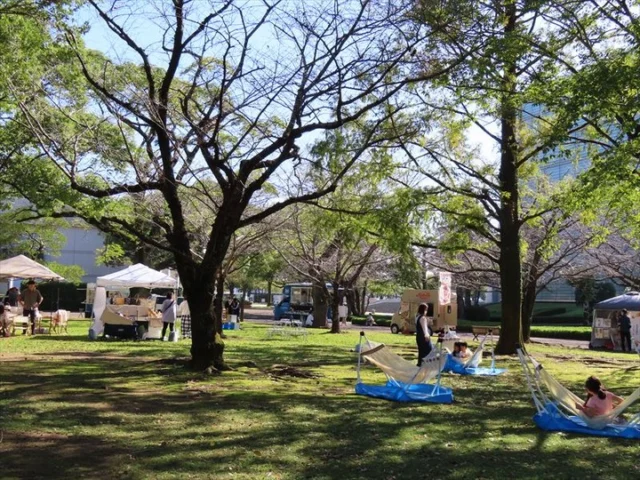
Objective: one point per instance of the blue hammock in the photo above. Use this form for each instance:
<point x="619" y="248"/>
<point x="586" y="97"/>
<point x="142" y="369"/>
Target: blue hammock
<point x="551" y="419"/>
<point x="453" y="366"/>
<point x="402" y="392"/>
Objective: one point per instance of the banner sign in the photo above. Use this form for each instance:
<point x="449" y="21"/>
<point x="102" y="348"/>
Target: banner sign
<point x="444" y="294"/>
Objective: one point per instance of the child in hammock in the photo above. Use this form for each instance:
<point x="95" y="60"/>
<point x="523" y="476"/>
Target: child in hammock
<point x="599" y="401"/>
<point x="465" y="353"/>
<point x="456" y="349"/>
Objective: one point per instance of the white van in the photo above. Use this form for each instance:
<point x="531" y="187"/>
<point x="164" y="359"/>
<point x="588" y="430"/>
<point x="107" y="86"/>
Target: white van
<point x="404" y="320"/>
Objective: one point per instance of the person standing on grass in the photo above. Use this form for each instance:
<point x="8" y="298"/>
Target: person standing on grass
<point x="30" y="299"/>
<point x="168" y="314"/>
<point x="423" y="338"/>
<point x="371" y="321"/>
<point x="234" y="310"/>
<point x="185" y="319"/>
<point x="624" y="323"/>
<point x="13" y="296"/>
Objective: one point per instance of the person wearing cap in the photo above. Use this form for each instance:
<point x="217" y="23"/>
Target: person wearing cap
<point x="624" y="324"/>
<point x="30" y="299"/>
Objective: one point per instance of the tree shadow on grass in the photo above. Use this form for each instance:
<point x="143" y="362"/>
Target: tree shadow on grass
<point x="174" y="422"/>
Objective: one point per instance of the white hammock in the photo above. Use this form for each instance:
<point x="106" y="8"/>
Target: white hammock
<point x="475" y="359"/>
<point x="397" y="368"/>
<point x="563" y="397"/>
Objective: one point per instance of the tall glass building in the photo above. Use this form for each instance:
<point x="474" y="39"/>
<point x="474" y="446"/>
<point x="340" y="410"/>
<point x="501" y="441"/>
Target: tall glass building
<point x="573" y="160"/>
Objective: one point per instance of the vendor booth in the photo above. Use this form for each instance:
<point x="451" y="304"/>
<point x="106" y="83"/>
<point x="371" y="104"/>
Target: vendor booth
<point x="605" y="332"/>
<point x="129" y="321"/>
<point x="22" y="268"/>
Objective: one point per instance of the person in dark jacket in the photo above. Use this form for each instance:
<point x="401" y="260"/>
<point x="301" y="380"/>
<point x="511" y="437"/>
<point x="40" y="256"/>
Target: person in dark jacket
<point x="423" y="336"/>
<point x="624" y="324"/>
<point x="234" y="310"/>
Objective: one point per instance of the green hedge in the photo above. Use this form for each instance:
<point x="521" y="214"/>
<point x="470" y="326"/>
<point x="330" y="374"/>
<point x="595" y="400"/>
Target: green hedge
<point x="70" y="294"/>
<point x="551" y="312"/>
<point x="380" y="321"/>
<point x="566" y="333"/>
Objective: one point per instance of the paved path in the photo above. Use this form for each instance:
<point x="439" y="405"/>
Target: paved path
<point x="266" y="316"/>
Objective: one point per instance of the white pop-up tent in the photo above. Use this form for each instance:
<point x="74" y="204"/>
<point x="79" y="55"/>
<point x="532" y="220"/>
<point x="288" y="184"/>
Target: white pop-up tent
<point x="137" y="275"/>
<point x="23" y="267"/>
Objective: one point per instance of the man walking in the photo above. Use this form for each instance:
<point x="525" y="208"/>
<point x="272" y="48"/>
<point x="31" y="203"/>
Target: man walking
<point x="30" y="299"/>
<point x="624" y="323"/>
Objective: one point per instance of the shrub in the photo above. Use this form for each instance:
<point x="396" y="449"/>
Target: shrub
<point x="567" y="333"/>
<point x="71" y="295"/>
<point x="380" y="321"/>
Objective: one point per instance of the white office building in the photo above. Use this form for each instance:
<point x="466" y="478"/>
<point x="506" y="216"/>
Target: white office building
<point x="80" y="249"/>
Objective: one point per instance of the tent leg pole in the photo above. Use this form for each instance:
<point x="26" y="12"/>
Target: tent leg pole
<point x="359" y="356"/>
<point x="437" y="389"/>
<point x="493" y="353"/>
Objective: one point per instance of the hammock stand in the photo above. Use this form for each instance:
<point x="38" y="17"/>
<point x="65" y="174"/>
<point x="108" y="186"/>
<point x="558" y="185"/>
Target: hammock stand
<point x="471" y="366"/>
<point x="556" y="409"/>
<point x="405" y="381"/>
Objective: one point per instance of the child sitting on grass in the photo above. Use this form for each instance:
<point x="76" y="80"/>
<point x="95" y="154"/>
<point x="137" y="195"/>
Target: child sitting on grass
<point x="599" y="401"/>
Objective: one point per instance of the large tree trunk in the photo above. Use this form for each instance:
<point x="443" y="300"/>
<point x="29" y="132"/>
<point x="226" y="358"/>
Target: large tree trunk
<point x="530" y="292"/>
<point x="269" y="297"/>
<point x="354" y="301"/>
<point x="199" y="281"/>
<point x="335" y="309"/>
<point x="319" y="306"/>
<point x="510" y="261"/>
<point x="467" y="297"/>
<point x="460" y="301"/>
<point x="528" y="302"/>
<point x="476" y="297"/>
<point x="364" y="303"/>
<point x="218" y="301"/>
<point x="207" y="347"/>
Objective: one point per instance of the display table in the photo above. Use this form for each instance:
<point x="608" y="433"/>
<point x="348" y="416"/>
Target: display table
<point x="129" y="310"/>
<point x="131" y="321"/>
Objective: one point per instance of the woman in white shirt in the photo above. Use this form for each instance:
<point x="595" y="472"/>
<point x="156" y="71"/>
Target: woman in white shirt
<point x="168" y="314"/>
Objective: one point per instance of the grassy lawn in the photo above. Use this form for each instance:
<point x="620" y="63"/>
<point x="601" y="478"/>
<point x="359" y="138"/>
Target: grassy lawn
<point x="70" y="408"/>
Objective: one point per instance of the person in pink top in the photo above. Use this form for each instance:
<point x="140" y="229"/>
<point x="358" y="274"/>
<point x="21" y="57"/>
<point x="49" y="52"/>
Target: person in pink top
<point x="599" y="401"/>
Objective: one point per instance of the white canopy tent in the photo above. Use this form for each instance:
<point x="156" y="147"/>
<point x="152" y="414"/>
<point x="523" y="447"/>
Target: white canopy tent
<point x="137" y="275"/>
<point x="23" y="267"/>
